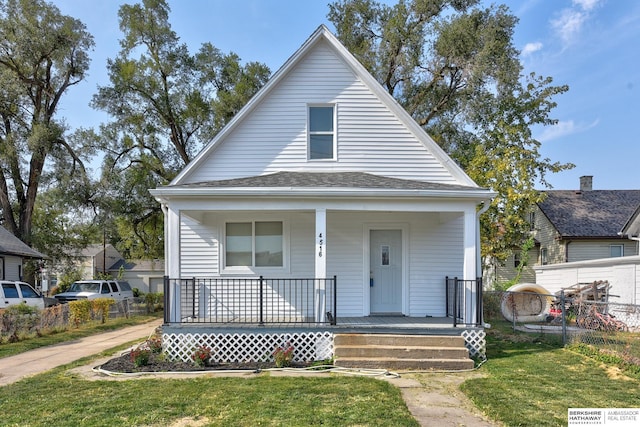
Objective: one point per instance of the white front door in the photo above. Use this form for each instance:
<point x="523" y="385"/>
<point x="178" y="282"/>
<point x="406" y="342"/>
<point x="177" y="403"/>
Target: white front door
<point x="386" y="271"/>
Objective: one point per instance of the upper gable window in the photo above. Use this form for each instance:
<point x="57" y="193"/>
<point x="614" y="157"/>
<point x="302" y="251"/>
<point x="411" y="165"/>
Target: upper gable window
<point x="321" y="125"/>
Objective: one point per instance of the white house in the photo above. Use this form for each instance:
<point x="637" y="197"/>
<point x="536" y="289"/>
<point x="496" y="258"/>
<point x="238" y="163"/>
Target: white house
<point x="13" y="252"/>
<point x="322" y="176"/>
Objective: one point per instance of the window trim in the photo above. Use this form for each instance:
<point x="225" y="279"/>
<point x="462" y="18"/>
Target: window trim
<point x="616" y="246"/>
<point x="252" y="269"/>
<point x="334" y="132"/>
<point x="544" y="256"/>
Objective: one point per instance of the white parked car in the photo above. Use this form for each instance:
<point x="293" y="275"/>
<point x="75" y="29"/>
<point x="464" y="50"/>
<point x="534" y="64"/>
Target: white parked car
<point x="12" y="293"/>
<point x="92" y="289"/>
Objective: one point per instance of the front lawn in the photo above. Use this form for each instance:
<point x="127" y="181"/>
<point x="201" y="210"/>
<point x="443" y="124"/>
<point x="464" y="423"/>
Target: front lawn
<point x="531" y="380"/>
<point x="63" y="399"/>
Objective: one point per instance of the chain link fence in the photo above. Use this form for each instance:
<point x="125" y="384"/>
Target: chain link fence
<point x="606" y="326"/>
<point x="57" y="317"/>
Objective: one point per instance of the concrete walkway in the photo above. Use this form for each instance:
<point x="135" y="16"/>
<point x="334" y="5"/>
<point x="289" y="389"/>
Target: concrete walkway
<point x="33" y="362"/>
<point x="432" y="398"/>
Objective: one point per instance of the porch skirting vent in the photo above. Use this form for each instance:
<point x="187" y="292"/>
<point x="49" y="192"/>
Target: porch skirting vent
<point x="249" y="347"/>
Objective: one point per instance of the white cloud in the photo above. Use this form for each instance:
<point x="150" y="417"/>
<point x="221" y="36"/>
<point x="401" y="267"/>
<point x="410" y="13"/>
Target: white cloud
<point x="570" y="21"/>
<point x="529" y="48"/>
<point x="587" y="4"/>
<point x="564" y="128"/>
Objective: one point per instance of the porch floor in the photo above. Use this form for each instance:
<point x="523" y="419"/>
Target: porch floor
<point x="366" y="324"/>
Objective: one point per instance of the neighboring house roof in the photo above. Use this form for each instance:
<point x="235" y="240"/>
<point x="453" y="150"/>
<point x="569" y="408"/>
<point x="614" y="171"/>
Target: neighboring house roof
<point x="323" y="35"/>
<point x="11" y="245"/>
<point x="590" y="214"/>
<point x="139" y="265"/>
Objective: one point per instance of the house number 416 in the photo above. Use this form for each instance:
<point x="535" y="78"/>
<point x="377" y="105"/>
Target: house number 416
<point x="320" y="243"/>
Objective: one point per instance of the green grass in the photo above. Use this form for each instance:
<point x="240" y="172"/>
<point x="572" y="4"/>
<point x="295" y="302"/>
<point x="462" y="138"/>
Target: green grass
<point x="531" y="380"/>
<point x="64" y="399"/>
<point x="56" y="337"/>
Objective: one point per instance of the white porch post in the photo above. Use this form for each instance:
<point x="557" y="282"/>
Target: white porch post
<point x="172" y="259"/>
<point x="470" y="262"/>
<point x="321" y="264"/>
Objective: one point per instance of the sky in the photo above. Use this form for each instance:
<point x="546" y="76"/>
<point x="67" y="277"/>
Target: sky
<point x="593" y="46"/>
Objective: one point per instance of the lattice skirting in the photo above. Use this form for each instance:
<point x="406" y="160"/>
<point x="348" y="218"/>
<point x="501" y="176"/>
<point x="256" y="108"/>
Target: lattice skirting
<point x="475" y="342"/>
<point x="249" y="347"/>
<point x="259" y="347"/>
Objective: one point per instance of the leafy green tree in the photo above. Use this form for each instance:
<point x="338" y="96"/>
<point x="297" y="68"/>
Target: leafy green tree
<point x="43" y="54"/>
<point x="165" y="104"/>
<point x="452" y="65"/>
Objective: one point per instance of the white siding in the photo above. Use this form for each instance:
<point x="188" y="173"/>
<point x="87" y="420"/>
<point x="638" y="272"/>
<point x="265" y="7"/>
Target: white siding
<point x="435" y="250"/>
<point x="12" y="267"/>
<point x="273" y="137"/>
<point x="198" y="248"/>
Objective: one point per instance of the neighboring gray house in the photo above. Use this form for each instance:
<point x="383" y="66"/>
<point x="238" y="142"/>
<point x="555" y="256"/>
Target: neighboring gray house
<point x="13" y="252"/>
<point x="96" y="259"/>
<point x="145" y="275"/>
<point x="580" y="225"/>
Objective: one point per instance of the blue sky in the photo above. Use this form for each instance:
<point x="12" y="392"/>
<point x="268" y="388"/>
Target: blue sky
<point x="591" y="45"/>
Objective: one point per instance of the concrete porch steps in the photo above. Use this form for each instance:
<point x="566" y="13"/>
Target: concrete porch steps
<point x="401" y="352"/>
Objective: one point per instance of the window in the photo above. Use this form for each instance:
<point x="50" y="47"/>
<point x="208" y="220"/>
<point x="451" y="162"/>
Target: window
<point x="10" y="290"/>
<point x="254" y="244"/>
<point x="28" y="291"/>
<point x="616" y="250"/>
<point x="532" y="221"/>
<point x="321" y="132"/>
<point x="544" y="260"/>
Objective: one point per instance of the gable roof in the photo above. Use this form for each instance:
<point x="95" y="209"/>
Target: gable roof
<point x="11" y="245"/>
<point x="322" y="34"/>
<point x="590" y="214"/>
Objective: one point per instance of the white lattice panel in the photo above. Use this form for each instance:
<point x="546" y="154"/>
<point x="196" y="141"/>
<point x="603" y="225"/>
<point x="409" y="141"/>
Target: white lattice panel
<point x="249" y="347"/>
<point x="475" y="342"/>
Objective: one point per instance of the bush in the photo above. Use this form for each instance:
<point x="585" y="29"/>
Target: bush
<point x="201" y="355"/>
<point x="153" y="301"/>
<point x="79" y="312"/>
<point x="19" y="318"/>
<point x="140" y="356"/>
<point x="100" y="307"/>
<point x="283" y="355"/>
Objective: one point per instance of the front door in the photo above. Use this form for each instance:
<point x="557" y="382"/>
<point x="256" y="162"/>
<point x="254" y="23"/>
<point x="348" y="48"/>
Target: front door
<point x="386" y="271"/>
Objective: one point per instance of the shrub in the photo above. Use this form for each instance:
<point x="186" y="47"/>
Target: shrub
<point x="201" y="355"/>
<point x="155" y="343"/>
<point x="79" y="312"/>
<point x="153" y="301"/>
<point x="19" y="318"/>
<point x="140" y="356"/>
<point x="283" y="355"/>
<point x="100" y="307"/>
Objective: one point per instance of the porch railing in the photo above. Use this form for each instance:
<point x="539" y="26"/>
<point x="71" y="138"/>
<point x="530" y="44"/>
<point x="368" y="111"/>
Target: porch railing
<point x="258" y="301"/>
<point x="459" y="291"/>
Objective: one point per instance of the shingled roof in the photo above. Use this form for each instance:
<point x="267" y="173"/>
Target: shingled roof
<point x="326" y="180"/>
<point x="590" y="214"/>
<point x="11" y="245"/>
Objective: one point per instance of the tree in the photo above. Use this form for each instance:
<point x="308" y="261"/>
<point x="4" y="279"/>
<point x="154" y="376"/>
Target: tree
<point x="166" y="104"/>
<point x="42" y="55"/>
<point x="452" y="65"/>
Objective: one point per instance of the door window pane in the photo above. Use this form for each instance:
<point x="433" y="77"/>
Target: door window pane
<point x="28" y="291"/>
<point x="10" y="290"/>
